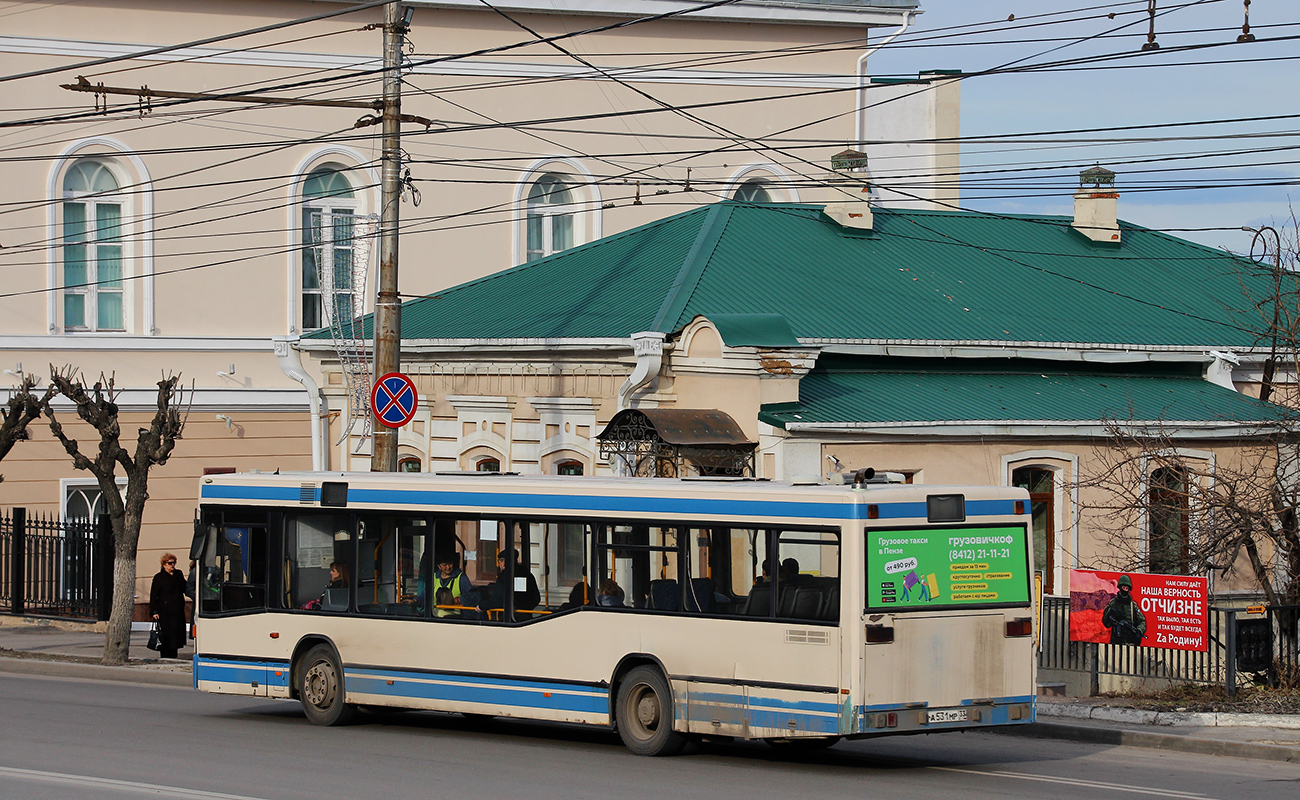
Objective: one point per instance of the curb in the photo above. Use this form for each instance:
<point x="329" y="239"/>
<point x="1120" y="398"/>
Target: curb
<point x="1157" y="741"/>
<point x="1135" y="716"/>
<point x="68" y="669"/>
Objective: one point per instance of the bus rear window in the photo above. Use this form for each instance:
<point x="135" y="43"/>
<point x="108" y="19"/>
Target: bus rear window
<point x="923" y="568"/>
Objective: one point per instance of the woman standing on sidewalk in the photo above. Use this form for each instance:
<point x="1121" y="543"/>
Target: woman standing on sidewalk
<point x="167" y="604"/>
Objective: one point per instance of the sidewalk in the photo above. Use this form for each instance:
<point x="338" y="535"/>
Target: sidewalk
<point x="62" y="649"/>
<point x="73" y="650"/>
<point x="1272" y="737"/>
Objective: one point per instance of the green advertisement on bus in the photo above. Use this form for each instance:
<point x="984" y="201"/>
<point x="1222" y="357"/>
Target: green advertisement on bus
<point x="945" y="567"/>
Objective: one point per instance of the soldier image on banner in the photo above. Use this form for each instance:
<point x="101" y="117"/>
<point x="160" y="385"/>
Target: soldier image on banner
<point x="1126" y="622"/>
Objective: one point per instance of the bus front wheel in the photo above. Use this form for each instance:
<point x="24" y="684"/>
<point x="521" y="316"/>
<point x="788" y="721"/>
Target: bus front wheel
<point x="644" y="714"/>
<point x="320" y="688"/>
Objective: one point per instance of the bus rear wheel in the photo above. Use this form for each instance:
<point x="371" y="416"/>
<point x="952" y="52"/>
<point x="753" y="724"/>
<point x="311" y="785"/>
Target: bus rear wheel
<point x="320" y="688"/>
<point x="644" y="714"/>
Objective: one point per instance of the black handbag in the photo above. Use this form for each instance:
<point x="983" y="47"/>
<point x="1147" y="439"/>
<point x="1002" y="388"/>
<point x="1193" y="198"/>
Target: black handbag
<point x="155" y="638"/>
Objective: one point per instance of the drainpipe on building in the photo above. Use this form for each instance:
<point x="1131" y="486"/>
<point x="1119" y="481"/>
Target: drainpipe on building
<point x="286" y="352"/>
<point x="859" y="117"/>
<point x="649" y="349"/>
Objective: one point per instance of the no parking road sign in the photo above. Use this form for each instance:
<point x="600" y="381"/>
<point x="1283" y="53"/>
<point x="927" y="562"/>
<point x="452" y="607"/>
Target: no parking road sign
<point x="394" y="399"/>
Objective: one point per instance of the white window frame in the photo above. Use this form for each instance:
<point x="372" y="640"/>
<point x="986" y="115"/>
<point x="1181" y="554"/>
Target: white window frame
<point x="92" y="292"/>
<point x="352" y="163"/>
<point x="585" y="209"/>
<point x="776" y="181"/>
<point x="328" y="208"/>
<point x="137" y="233"/>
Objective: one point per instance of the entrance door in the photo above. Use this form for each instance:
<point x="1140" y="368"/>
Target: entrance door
<point x="1042" y="502"/>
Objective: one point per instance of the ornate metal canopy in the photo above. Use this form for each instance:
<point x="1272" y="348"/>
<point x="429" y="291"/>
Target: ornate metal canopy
<point x="671" y="443"/>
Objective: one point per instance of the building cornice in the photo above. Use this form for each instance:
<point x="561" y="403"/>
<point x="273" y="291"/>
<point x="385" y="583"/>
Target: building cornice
<point x="203" y="400"/>
<point x="1055" y="429"/>
<point x="466" y="67"/>
<point x="771" y="11"/>
<point x="1088" y="352"/>
<point x="132" y="343"/>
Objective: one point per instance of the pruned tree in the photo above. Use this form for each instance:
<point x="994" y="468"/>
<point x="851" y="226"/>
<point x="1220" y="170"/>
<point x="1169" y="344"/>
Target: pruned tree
<point x="1197" y="515"/>
<point x="1239" y="509"/>
<point x="97" y="407"/>
<point x="23" y="407"/>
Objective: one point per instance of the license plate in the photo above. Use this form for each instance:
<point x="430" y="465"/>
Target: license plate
<point x="947" y="715"/>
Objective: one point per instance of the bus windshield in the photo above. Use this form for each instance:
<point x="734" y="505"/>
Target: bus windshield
<point x="924" y="568"/>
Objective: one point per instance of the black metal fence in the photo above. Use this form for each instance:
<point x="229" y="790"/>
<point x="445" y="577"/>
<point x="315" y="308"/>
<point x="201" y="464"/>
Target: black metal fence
<point x="55" y="568"/>
<point x="1244" y="648"/>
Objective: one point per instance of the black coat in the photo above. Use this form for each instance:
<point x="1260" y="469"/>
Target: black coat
<point x="526" y="600"/>
<point x="167" y="600"/>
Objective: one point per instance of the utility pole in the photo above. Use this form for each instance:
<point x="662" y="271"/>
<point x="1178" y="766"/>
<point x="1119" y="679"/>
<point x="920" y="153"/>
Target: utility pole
<point x="387" y="327"/>
<point x="388" y="307"/>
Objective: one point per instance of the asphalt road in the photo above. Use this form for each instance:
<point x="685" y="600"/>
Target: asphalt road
<point x="72" y="739"/>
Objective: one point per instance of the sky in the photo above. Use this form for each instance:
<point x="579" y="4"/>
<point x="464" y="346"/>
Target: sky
<point x="1164" y="86"/>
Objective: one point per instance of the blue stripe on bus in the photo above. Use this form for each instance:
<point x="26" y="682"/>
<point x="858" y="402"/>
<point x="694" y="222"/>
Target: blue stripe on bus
<point x="230" y="671"/>
<point x="974" y="508"/>
<point x="764" y="702"/>
<point x="452" y="677"/>
<point x="782" y="719"/>
<point x="765" y="712"/>
<point x="489" y="691"/>
<point x="622" y="504"/>
<point x="263" y="672"/>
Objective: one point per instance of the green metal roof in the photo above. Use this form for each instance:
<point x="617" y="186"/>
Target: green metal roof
<point x="886" y="391"/>
<point x="930" y="276"/>
<point x="754" y="330"/>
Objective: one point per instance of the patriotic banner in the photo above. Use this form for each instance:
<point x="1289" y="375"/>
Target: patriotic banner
<point x="1169" y="611"/>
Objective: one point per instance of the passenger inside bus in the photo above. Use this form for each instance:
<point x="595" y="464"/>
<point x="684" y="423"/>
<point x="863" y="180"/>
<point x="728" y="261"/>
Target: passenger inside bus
<point x="611" y="595"/>
<point x="526" y="599"/>
<point x="444" y="603"/>
<point x="579" y="596"/>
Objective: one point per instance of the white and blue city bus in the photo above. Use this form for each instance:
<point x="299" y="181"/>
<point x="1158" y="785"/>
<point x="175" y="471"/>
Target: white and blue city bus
<point x="663" y="608"/>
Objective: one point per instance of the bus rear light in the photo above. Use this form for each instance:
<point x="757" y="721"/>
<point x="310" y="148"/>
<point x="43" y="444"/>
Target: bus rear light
<point x="1020" y="506"/>
<point x="879" y="634"/>
<point x="889" y="720"/>
<point x="873" y="511"/>
<point x="1021" y="626"/>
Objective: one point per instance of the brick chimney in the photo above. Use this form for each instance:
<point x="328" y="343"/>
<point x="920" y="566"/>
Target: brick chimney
<point x="1096" y="212"/>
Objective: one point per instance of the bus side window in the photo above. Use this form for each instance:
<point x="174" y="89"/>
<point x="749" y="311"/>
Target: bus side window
<point x="317" y="548"/>
<point x="241" y="566"/>
<point x="722" y="571"/>
<point x="390" y="557"/>
<point x="209" y="581"/>
<point x="808" y="575"/>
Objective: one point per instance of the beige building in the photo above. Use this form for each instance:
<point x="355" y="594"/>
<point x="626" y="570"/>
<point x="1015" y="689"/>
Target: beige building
<point x="175" y="236"/>
<point x="792" y="341"/>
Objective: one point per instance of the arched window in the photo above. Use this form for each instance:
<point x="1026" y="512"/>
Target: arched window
<point x="550" y="217"/>
<point x="1042" y="501"/>
<point x="329" y="217"/>
<point x="487" y="465"/>
<point x="568" y="468"/>
<point x="92" y="249"/>
<point x="1167" y="530"/>
<point x="408" y="464"/>
<point x="753" y="190"/>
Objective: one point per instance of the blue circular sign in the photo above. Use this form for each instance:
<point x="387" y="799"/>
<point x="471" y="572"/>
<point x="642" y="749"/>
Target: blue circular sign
<point x="394" y="399"/>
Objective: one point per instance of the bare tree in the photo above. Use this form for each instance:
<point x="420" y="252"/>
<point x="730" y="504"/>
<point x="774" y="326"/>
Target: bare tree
<point x="98" y="408"/>
<point x="1200" y="515"/>
<point x="23" y="407"/>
